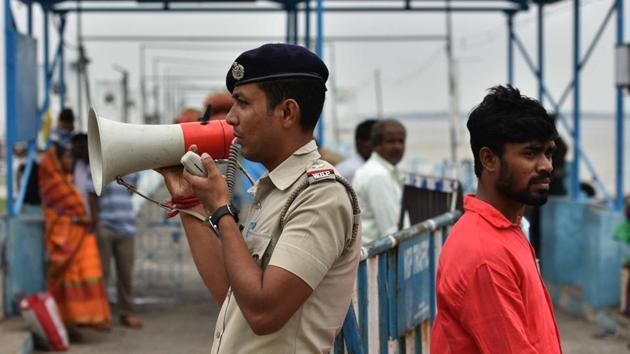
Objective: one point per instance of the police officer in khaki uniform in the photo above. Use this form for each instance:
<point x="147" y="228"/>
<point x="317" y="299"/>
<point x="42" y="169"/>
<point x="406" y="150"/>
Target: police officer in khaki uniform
<point x="284" y="282"/>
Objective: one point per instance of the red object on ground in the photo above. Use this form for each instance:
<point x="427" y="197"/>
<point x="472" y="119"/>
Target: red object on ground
<point x="42" y="315"/>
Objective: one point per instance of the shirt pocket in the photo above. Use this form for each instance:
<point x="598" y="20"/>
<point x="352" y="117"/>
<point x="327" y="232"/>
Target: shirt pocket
<point x="257" y="244"/>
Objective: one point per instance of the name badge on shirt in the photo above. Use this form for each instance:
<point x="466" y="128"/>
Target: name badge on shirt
<point x="320" y="174"/>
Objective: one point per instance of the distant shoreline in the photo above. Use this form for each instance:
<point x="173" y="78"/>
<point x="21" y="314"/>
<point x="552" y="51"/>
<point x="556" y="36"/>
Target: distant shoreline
<point x="463" y="116"/>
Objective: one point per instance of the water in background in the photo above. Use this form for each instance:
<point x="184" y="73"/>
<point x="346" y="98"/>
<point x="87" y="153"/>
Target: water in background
<point x="428" y="147"/>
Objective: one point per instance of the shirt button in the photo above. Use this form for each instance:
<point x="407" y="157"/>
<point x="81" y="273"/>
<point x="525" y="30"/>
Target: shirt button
<point x="258" y="205"/>
<point x="218" y="334"/>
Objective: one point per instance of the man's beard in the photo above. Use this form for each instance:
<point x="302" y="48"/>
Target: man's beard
<point x="506" y="182"/>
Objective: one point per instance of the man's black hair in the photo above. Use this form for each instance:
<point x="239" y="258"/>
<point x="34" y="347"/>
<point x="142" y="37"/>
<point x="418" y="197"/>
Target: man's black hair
<point x="377" y="130"/>
<point x="79" y="138"/>
<point x="309" y="93"/>
<point x="505" y="116"/>
<point x="66" y="115"/>
<point x="364" y="130"/>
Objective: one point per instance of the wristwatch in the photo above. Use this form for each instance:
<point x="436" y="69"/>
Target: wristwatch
<point x="222" y="211"/>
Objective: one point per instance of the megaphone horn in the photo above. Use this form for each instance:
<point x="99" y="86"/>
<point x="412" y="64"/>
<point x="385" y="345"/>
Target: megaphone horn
<point x="117" y="149"/>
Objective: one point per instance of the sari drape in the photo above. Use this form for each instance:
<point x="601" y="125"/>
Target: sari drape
<point x="75" y="277"/>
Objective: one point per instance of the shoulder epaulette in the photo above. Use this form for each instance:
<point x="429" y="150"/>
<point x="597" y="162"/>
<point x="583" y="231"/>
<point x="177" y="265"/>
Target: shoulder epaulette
<point x="320" y="171"/>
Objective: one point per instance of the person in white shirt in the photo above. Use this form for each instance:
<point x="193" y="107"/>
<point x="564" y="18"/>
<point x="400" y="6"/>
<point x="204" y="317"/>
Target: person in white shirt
<point x="363" y="146"/>
<point x="378" y="183"/>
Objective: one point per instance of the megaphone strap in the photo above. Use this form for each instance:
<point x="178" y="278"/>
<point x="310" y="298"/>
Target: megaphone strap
<point x="180" y="206"/>
<point x="181" y="203"/>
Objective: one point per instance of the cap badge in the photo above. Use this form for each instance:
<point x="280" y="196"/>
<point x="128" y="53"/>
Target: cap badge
<point x="238" y="71"/>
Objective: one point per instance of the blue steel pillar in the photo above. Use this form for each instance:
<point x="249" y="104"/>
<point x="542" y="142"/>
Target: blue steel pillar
<point x="541" y="51"/>
<point x="62" y="62"/>
<point x="292" y="24"/>
<point x="29" y="16"/>
<point x="619" y="139"/>
<point x="295" y="25"/>
<point x="575" y="171"/>
<point x="307" y="24"/>
<point x="510" y="48"/>
<point x="9" y="68"/>
<point x="319" y="49"/>
<point x="46" y="49"/>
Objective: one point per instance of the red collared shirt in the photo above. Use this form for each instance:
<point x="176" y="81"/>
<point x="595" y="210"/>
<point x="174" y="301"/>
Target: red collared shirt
<point x="490" y="295"/>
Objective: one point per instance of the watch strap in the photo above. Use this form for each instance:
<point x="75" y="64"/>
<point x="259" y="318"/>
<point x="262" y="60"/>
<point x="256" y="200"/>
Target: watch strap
<point x="222" y="211"/>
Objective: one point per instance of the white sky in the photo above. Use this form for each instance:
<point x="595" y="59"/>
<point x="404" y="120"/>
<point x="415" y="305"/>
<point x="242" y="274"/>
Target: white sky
<point x="413" y="73"/>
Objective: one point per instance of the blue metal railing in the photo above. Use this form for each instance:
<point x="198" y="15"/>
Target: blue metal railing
<point x="394" y="303"/>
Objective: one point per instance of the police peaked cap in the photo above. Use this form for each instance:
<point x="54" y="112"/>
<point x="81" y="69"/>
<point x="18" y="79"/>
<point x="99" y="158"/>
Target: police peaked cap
<point x="275" y="61"/>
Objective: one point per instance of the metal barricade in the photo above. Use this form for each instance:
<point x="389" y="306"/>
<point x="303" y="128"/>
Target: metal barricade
<point x="164" y="269"/>
<point x="394" y="302"/>
<point x="425" y="197"/>
<point x="23" y="258"/>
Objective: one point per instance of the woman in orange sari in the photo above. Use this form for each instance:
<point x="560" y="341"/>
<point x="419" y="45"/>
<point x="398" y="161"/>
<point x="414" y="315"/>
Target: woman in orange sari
<point x="75" y="277"/>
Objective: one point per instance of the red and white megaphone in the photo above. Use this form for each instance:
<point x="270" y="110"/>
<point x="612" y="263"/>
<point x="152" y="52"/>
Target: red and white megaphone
<point x="117" y="149"/>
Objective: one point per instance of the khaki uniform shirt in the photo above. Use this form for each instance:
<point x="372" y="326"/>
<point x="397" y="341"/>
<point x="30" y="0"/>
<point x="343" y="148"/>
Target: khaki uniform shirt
<point x="312" y="246"/>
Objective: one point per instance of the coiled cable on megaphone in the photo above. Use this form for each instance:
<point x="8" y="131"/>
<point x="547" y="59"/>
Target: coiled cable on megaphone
<point x="230" y="171"/>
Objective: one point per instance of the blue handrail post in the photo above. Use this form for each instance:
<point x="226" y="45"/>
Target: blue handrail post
<point x="350" y="332"/>
<point x="319" y="50"/>
<point x="9" y="60"/>
<point x="575" y="171"/>
<point x="46" y="39"/>
<point x="619" y="163"/>
<point x="510" y="47"/>
<point x="62" y="61"/>
<point x="541" y="51"/>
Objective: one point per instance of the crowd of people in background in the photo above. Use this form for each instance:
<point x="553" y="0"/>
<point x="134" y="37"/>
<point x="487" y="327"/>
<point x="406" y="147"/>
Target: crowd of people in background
<point x="84" y="232"/>
<point x="81" y="232"/>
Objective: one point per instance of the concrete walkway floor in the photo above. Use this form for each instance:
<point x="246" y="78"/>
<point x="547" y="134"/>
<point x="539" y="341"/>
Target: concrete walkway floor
<point x="581" y="337"/>
<point x="186" y="327"/>
<point x="169" y="328"/>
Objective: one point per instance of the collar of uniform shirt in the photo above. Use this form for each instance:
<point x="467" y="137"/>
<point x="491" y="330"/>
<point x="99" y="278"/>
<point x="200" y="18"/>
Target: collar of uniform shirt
<point x="292" y="168"/>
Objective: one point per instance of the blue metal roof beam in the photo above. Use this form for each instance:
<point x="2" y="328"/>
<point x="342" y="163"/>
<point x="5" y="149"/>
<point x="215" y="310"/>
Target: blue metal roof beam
<point x="62" y="6"/>
<point x="233" y="39"/>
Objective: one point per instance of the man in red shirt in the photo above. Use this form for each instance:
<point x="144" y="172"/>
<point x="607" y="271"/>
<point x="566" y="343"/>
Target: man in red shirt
<point x="490" y="295"/>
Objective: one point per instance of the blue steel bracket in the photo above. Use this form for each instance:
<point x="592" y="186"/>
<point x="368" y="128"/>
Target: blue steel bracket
<point x="10" y="80"/>
<point x="350" y="332"/>
<point x="563" y="120"/>
<point x="16" y="207"/>
<point x="21" y="96"/>
<point x="524" y="4"/>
